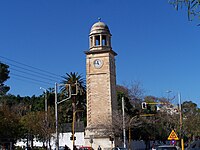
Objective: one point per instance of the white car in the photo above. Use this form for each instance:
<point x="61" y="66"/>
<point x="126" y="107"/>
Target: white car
<point x="167" y="147"/>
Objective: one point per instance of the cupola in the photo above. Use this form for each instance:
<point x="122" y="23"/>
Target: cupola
<point x="100" y="37"/>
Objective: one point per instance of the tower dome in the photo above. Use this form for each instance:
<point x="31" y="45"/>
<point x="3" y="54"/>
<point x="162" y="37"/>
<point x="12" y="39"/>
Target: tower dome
<point x="100" y="37"/>
<point x="99" y="27"/>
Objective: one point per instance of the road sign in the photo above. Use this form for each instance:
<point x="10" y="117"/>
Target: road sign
<point x="173" y="136"/>
<point x="173" y="142"/>
<point x="144" y="105"/>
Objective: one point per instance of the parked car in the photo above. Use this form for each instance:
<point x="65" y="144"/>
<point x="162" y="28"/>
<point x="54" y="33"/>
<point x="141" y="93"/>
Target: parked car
<point x="61" y="147"/>
<point x="167" y="147"/>
<point x="86" y="148"/>
<point x="119" y="148"/>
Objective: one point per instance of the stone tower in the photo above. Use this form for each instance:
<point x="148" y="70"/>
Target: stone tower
<point x="101" y="87"/>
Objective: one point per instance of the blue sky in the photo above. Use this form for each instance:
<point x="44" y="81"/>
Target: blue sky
<point x="156" y="45"/>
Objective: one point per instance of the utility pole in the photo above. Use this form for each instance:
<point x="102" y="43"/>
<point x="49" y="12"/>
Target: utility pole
<point x="181" y="122"/>
<point x="124" y="132"/>
<point x="45" y="103"/>
<point x="56" y="117"/>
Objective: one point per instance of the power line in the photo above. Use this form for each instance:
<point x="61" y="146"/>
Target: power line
<point x="53" y="74"/>
<point x="32" y="75"/>
<point x="27" y="72"/>
<point x="35" y="75"/>
<point x="31" y="79"/>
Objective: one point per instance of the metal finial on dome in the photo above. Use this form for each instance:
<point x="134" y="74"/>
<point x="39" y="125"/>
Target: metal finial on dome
<point x="99" y="18"/>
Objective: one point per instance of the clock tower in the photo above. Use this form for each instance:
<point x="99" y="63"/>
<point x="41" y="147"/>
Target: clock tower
<point x="101" y="88"/>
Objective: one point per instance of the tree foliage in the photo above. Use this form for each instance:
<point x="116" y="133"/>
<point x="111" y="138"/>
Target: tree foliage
<point x="192" y="7"/>
<point x="23" y="117"/>
<point x="191" y="120"/>
<point x="40" y="124"/>
<point x="77" y="100"/>
<point x="4" y="75"/>
<point x="10" y="127"/>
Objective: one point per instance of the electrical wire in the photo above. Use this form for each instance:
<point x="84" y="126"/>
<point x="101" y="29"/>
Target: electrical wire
<point x="33" y="71"/>
<point x="30" y="66"/>
<point x="30" y="78"/>
<point x="29" y="81"/>
<point x="35" y="75"/>
<point x="30" y="74"/>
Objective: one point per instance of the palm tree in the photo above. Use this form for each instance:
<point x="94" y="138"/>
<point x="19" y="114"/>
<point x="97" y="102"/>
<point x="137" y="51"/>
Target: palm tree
<point x="78" y="100"/>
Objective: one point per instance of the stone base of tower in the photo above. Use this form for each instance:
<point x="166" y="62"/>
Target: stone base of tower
<point x="102" y="137"/>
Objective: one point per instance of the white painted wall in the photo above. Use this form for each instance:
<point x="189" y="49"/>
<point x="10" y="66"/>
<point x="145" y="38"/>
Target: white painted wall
<point x="64" y="139"/>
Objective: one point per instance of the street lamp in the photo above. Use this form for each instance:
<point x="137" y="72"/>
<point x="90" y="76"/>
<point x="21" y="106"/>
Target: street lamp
<point x="168" y="91"/>
<point x="124" y="131"/>
<point x="45" y="97"/>
<point x="181" y="122"/>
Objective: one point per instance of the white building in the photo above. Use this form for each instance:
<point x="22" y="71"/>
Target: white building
<point x="64" y="139"/>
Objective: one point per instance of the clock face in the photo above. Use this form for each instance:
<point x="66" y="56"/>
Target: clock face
<point x="98" y="63"/>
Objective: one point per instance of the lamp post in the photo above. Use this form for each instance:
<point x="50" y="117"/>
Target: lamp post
<point x="124" y="132"/>
<point x="45" y="105"/>
<point x="45" y="97"/>
<point x="181" y="122"/>
<point x="168" y="91"/>
<point x="56" y="117"/>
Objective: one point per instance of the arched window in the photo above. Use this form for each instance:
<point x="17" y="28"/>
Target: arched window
<point x="104" y="40"/>
<point x="97" y="40"/>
